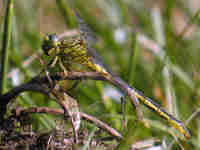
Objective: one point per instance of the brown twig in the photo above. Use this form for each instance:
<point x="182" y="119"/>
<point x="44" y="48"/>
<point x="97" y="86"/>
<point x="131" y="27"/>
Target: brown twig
<point x="100" y="124"/>
<point x="41" y="84"/>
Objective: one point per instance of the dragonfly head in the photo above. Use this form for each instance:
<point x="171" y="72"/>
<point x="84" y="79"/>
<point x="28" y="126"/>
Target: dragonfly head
<point x="50" y="44"/>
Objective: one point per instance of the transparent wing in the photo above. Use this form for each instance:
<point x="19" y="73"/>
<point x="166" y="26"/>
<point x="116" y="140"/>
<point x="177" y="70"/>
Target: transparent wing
<point x="87" y="35"/>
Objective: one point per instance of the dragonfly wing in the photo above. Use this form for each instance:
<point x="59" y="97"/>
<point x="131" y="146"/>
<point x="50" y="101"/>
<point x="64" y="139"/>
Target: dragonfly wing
<point x="86" y="34"/>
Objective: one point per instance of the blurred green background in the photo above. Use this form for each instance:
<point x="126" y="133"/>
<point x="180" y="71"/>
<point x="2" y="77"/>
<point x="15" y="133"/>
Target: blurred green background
<point x="151" y="44"/>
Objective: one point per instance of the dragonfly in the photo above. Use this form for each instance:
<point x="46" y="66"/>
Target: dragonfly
<point x="78" y="51"/>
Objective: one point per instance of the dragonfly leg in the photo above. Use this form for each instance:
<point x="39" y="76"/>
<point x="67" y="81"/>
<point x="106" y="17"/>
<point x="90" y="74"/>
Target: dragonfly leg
<point x="53" y="62"/>
<point x="46" y="67"/>
<point x="45" y="70"/>
<point x="63" y="68"/>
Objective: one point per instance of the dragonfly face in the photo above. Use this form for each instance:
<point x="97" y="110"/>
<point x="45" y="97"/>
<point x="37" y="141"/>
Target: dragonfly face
<point x="50" y="44"/>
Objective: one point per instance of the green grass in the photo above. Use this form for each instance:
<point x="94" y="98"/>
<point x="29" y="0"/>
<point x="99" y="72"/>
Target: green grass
<point x="165" y="65"/>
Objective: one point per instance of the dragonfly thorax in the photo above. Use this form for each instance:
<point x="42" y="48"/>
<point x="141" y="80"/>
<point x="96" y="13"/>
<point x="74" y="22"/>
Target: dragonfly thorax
<point x="73" y="50"/>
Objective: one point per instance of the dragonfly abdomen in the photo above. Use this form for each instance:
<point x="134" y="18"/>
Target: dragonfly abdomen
<point x="172" y="120"/>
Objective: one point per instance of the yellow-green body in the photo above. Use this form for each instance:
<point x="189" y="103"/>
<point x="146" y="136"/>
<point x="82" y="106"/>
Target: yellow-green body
<point x="72" y="53"/>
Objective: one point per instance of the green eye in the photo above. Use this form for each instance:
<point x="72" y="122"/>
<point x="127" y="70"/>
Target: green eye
<point x="49" y="42"/>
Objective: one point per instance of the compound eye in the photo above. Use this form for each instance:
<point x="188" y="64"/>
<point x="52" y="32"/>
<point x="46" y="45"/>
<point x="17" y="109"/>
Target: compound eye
<point x="50" y="42"/>
<point x="53" y="38"/>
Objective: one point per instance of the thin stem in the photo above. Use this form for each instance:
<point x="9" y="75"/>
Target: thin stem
<point x="132" y="61"/>
<point x="5" y="45"/>
<point x="66" y="13"/>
